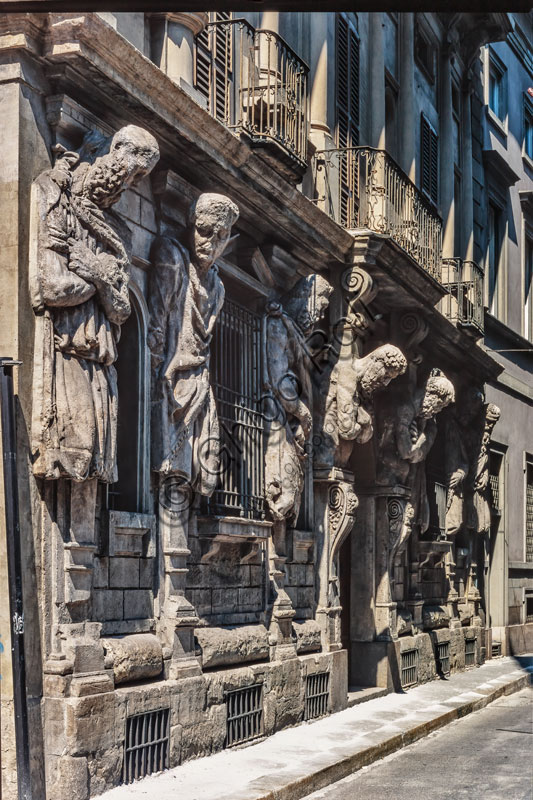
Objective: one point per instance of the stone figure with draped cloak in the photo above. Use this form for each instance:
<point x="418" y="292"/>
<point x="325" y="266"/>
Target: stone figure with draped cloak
<point x="186" y="295"/>
<point x="79" y="274"/>
<point x="408" y="432"/>
<point x="288" y="363"/>
<point x="467" y="450"/>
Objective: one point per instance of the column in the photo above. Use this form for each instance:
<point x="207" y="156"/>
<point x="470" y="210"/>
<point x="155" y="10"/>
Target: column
<point x="406" y="102"/>
<point x="468" y="189"/>
<point x="446" y="155"/>
<point x="172" y="43"/>
<point x="320" y="133"/>
<point x="377" y="82"/>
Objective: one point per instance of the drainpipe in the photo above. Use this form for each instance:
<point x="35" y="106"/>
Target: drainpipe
<point x="14" y="565"/>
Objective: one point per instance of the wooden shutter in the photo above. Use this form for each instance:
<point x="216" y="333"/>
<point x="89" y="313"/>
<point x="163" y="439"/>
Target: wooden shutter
<point x="213" y="66"/>
<point x="347" y="95"/>
<point x="429" y="152"/>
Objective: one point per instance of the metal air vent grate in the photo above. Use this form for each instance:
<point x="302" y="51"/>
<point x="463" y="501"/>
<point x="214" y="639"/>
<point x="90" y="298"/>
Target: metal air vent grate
<point x="244" y="714"/>
<point x="316" y="695"/>
<point x="146" y="745"/>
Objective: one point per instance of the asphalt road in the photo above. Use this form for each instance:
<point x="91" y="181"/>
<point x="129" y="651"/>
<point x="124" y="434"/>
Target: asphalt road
<point x="485" y="756"/>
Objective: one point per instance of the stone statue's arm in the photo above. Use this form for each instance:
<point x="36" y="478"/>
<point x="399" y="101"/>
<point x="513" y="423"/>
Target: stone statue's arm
<point x="165" y="274"/>
<point x="425" y="440"/>
<point x="282" y="377"/>
<point x="60" y="287"/>
<point x="106" y="275"/>
<point x="413" y="451"/>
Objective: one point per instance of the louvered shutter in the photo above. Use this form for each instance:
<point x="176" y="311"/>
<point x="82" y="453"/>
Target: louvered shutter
<point x="347" y="108"/>
<point x="213" y="72"/>
<point x="347" y="95"/>
<point x="429" y="147"/>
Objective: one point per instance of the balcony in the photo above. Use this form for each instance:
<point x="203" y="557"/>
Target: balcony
<point x="361" y="187"/>
<point x="256" y="85"/>
<point x="463" y="303"/>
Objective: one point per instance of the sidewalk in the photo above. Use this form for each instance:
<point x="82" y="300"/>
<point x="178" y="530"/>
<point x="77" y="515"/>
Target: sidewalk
<point x="295" y="762"/>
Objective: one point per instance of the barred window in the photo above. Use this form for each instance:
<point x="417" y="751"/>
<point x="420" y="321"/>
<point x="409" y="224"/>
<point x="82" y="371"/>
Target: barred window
<point x="495" y="469"/>
<point x="529" y="511"/>
<point x="236" y="377"/>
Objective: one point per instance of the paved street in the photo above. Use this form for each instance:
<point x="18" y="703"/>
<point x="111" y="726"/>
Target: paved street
<point x="485" y="756"/>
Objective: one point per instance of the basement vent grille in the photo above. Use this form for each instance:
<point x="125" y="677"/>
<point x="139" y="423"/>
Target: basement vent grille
<point x="409" y="667"/>
<point x="470" y="652"/>
<point x="146" y="745"/>
<point x="244" y="714"/>
<point x="496" y="649"/>
<point x="443" y="657"/>
<point x="316" y="695"/>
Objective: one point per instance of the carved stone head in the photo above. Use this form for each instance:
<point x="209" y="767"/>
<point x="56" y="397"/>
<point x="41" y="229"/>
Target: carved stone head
<point x="212" y="217"/>
<point x="471" y="403"/>
<point x="131" y="154"/>
<point x="380" y="367"/>
<point x="438" y="394"/>
<point x="307" y="301"/>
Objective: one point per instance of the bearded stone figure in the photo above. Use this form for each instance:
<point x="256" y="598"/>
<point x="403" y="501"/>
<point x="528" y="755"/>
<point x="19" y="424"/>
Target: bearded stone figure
<point x="408" y="434"/>
<point x="79" y="283"/>
<point x="468" y="436"/>
<point x="185" y="298"/>
<point x="287" y="357"/>
<point x="349" y="415"/>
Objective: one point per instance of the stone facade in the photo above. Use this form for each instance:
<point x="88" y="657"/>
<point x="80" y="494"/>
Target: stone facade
<point x="254" y="443"/>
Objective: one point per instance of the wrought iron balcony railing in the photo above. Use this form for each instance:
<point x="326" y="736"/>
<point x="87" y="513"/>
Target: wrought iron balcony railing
<point x="255" y="84"/>
<point x="361" y="187"/>
<point x="464" y="302"/>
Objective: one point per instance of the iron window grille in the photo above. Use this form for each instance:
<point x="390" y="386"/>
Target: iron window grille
<point x="443" y="657"/>
<point x="409" y="667"/>
<point x="495" y="482"/>
<point x="529" y="512"/>
<point x="496" y="649"/>
<point x="470" y="652"/>
<point x="236" y="370"/>
<point x="244" y="708"/>
<point x="316" y="695"/>
<point x="146" y="746"/>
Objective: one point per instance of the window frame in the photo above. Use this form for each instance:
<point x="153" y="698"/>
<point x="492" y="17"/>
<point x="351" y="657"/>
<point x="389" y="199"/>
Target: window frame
<point x="495" y="66"/>
<point x="527" y="300"/>
<point x="527" y="129"/>
<point x="353" y="123"/>
<point x="497" y="302"/>
<point x="528" y="462"/>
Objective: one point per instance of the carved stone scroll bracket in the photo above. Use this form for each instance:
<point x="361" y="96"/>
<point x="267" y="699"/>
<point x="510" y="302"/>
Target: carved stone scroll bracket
<point x="360" y="290"/>
<point x="411" y="329"/>
<point x="336" y="503"/>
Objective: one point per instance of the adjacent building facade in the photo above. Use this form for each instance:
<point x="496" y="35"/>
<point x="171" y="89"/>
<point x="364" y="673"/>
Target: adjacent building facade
<point x="264" y="452"/>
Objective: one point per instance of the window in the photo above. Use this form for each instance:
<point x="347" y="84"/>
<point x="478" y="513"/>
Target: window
<point x="495" y="469"/>
<point x="528" y="288"/>
<point x="497" y="79"/>
<point x="347" y="93"/>
<point x="214" y="67"/>
<point x="429" y="152"/>
<point x="236" y="377"/>
<point x="528" y="127"/>
<point x="494" y="261"/>
<point x="129" y="492"/>
<point x="529" y="510"/>
<point x="425" y="54"/>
